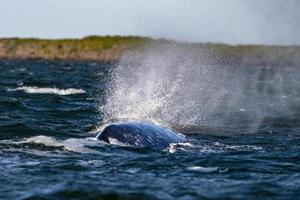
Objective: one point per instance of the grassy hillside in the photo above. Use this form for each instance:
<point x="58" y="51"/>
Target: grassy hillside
<point x="88" y="48"/>
<point x="108" y="48"/>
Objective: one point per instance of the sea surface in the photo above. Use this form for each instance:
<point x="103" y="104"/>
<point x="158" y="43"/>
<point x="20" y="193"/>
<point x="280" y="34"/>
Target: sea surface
<point x="243" y="131"/>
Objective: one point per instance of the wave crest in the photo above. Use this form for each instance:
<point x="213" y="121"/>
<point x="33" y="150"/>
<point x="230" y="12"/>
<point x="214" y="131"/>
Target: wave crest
<point x="47" y="90"/>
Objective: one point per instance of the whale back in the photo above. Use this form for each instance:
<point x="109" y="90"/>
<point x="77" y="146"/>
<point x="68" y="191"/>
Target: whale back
<point x="140" y="135"/>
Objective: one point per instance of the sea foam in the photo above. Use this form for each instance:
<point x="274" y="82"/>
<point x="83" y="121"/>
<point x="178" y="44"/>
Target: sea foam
<point x="47" y="90"/>
<point x="203" y="169"/>
<point x="71" y="144"/>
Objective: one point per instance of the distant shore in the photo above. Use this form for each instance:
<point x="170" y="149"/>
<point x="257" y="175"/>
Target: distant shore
<point x="110" y="48"/>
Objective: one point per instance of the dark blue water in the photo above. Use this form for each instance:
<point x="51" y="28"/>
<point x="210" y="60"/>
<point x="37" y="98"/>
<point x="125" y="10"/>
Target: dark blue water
<point x="49" y="114"/>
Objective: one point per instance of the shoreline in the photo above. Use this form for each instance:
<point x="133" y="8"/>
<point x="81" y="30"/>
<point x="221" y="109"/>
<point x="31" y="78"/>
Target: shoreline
<point x="111" y="48"/>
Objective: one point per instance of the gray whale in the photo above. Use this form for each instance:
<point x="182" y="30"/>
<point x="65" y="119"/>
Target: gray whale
<point x="140" y="134"/>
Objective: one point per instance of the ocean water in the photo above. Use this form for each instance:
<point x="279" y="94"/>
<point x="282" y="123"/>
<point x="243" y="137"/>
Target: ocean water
<point x="242" y="124"/>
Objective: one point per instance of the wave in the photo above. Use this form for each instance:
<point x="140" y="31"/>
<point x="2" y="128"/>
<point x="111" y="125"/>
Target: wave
<point x="203" y="169"/>
<point x="72" y="144"/>
<point x="47" y="90"/>
<point x="214" y="147"/>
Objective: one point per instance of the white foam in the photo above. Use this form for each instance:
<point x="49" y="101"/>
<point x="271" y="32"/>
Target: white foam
<point x="132" y="170"/>
<point x="214" y="147"/>
<point x="173" y="147"/>
<point x="77" y="145"/>
<point x="47" y="141"/>
<point x="72" y="144"/>
<point x="222" y="146"/>
<point x="203" y="169"/>
<point x="47" y="90"/>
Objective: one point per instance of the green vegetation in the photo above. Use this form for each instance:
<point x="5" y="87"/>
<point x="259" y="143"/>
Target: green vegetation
<point x="89" y="48"/>
<point x="109" y="48"/>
